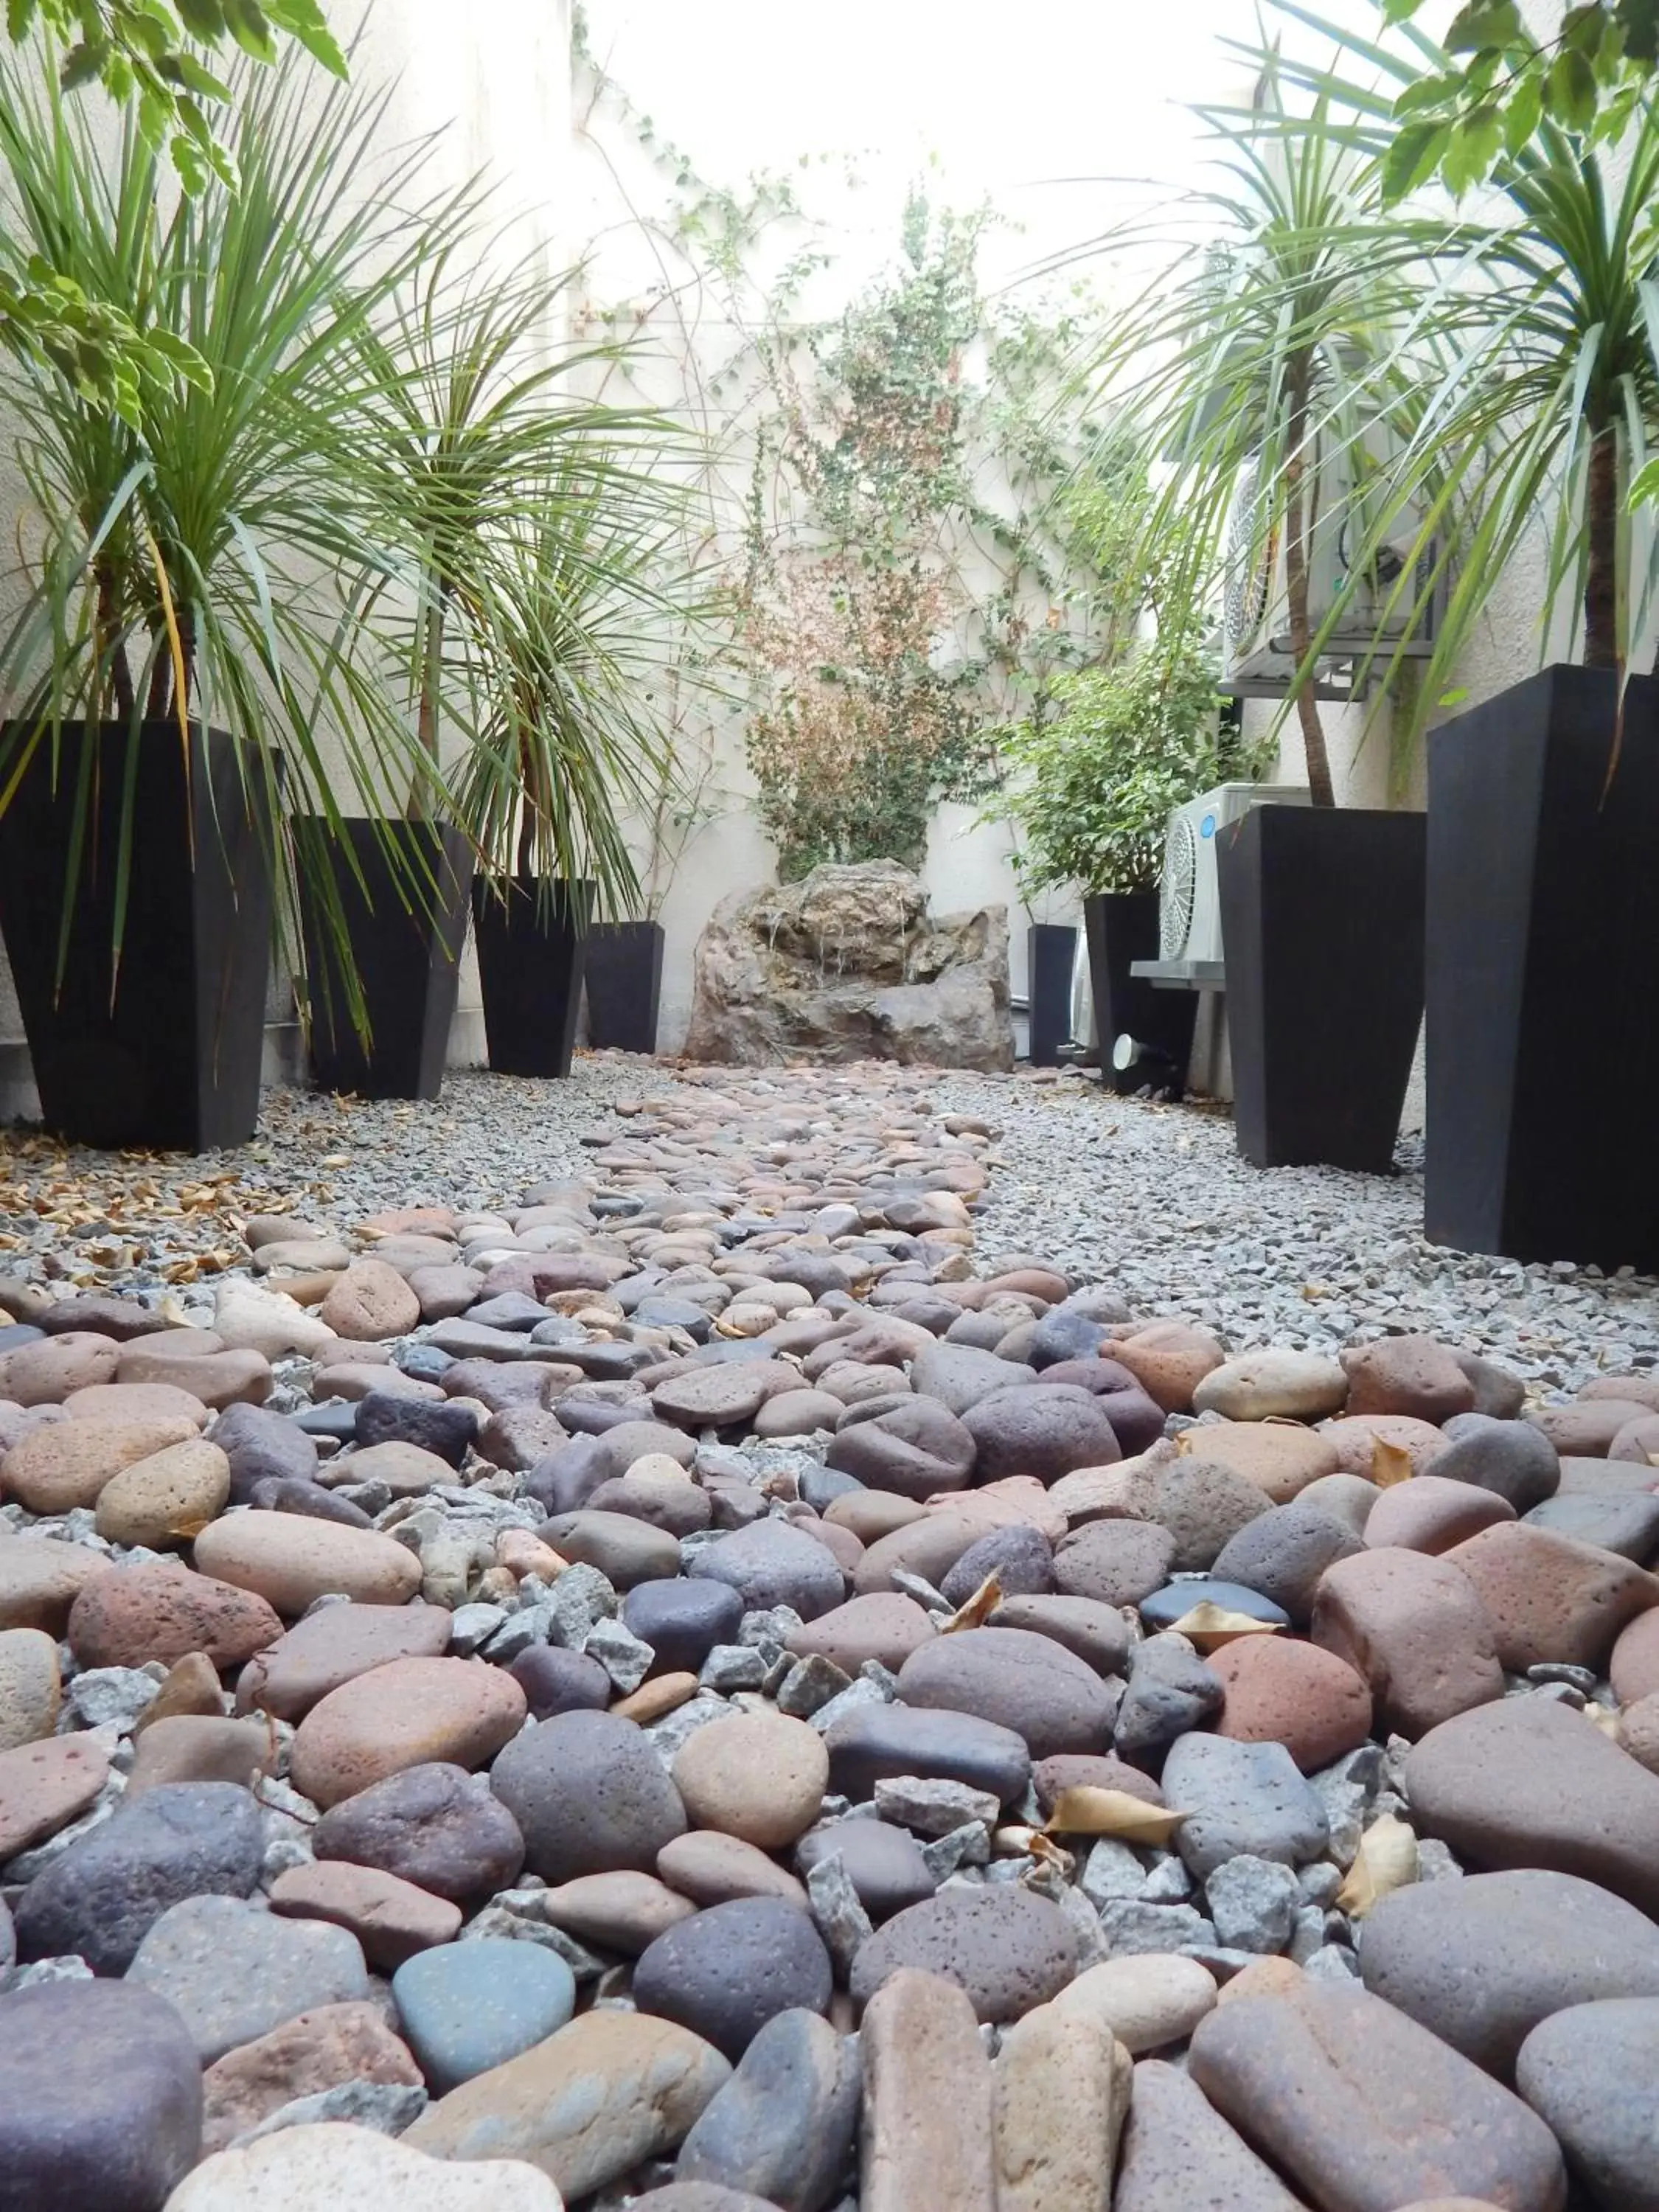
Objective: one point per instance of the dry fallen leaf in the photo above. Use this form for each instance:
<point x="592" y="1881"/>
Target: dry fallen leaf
<point x="1088" y="1811"/>
<point x="1209" y="1624"/>
<point x="977" y="1610"/>
<point x="1390" y="1463"/>
<point x="1386" y="1861"/>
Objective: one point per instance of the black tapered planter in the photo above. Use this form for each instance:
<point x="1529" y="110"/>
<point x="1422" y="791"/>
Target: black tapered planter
<point x="1322" y="925"/>
<point x="168" y="1059"/>
<point x="1543" y="973"/>
<point x="1051" y="952"/>
<point x="406" y="925"/>
<point x="1121" y="926"/>
<point x="624" y="967"/>
<point x="532" y="936"/>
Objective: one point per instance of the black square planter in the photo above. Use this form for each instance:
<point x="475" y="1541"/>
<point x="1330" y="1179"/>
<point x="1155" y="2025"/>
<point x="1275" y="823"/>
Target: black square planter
<point x="1122" y="926"/>
<point x="1543" y="991"/>
<point x="1050" y="951"/>
<point x="623" y="966"/>
<point x="532" y="935"/>
<point x="405" y="926"/>
<point x="1321" y="921"/>
<point x="164" y="1052"/>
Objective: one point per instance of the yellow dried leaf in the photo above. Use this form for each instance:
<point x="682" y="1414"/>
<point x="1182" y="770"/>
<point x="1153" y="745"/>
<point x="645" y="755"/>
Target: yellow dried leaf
<point x="192" y="1529"/>
<point x="1209" y="1624"/>
<point x="1085" y="1810"/>
<point x="977" y="1610"/>
<point x="1386" y="1861"/>
<point x="1599" y="1717"/>
<point x="1390" y="1463"/>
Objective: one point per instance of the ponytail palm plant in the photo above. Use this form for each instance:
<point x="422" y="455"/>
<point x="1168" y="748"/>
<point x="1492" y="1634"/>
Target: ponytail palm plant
<point x="205" y="566"/>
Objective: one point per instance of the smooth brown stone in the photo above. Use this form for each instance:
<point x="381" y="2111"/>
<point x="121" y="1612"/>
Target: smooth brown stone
<point x="759" y="1777"/>
<point x="1633" y="1669"/>
<point x="1280" y="1457"/>
<point x="201" y="1747"/>
<point x="1282" y="1691"/>
<point x="1366" y="2110"/>
<point x="133" y="1614"/>
<point x="217" y="1378"/>
<point x="334" y="1647"/>
<point x="1415" y="1628"/>
<point x="390" y="1917"/>
<point x="716" y="1869"/>
<point x="929" y="1548"/>
<point x="135" y="1401"/>
<point x="1551" y="1598"/>
<point x="1061" y="2094"/>
<point x="1179" y="2155"/>
<point x="1410" y="1375"/>
<point x="1170" y="1360"/>
<point x="873" y="1514"/>
<point x="30" y="1686"/>
<point x="887" y="1626"/>
<point x="928" y="2129"/>
<point x="166" y="1498"/>
<point x="191" y="1688"/>
<point x="1588" y="1427"/>
<point x="319" y="2050"/>
<point x="1432" y="1513"/>
<point x="622" y="1912"/>
<point x="44" y="1786"/>
<point x="46" y="1372"/>
<point x="1356" y="1437"/>
<point x="371" y="1301"/>
<point x="291" y="1560"/>
<point x="652" y="1700"/>
<point x="40" y="1577"/>
<point x="407" y="1713"/>
<point x="65" y="1466"/>
<point x="406" y="1469"/>
<point x="1527" y="1783"/>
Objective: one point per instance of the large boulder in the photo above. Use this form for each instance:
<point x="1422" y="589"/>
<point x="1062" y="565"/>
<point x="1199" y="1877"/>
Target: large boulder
<point x="848" y="964"/>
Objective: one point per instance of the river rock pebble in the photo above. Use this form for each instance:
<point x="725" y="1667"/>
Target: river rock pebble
<point x="856" y="1266"/>
<point x="233" y="1972"/>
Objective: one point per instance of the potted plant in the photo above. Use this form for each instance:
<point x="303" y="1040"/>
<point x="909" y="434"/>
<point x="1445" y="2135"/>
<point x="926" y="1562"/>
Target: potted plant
<point x="1089" y="790"/>
<point x="181" y="637"/>
<point x="568" y="669"/>
<point x="456" y="422"/>
<point x="1542" y="897"/>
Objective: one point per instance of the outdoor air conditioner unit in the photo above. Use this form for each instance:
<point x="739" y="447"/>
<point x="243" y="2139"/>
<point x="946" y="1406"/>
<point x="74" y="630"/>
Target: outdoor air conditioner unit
<point x="1384" y="616"/>
<point x="1188" y="902"/>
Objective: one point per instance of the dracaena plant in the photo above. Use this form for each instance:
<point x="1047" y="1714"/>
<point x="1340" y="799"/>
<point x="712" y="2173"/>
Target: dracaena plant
<point x="1542" y="305"/>
<point x="206" y="564"/>
<point x="1267" y="337"/>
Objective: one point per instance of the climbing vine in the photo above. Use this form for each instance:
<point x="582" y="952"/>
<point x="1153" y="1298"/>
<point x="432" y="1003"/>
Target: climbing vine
<point x="897" y="498"/>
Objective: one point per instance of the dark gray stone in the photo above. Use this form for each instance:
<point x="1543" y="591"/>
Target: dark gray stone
<point x="725" y="1972"/>
<point x="1064" y="1334"/>
<point x="914" y="1447"/>
<point x="282" y="1495"/>
<point x="959" y="1374"/>
<point x="782" y="2126"/>
<point x="1019" y="1556"/>
<point x="435" y="1826"/>
<point x="101" y="2099"/>
<point x="1282" y="1554"/>
<point x="555" y="1680"/>
<point x="1510" y="1458"/>
<point x="1170" y="1691"/>
<point x="1044" y="1429"/>
<point x="261" y="1447"/>
<point x="885" y="1864"/>
<point x="1241" y="1797"/>
<point x="876" y="1743"/>
<point x="773" y="1564"/>
<point x="683" y="1621"/>
<point x="1626" y="1524"/>
<point x="565" y="1480"/>
<point x="1009" y="1949"/>
<point x="1114" y="1562"/>
<point x="1051" y="1699"/>
<point x="1589" y="2073"/>
<point x="1096" y="1632"/>
<point x="443" y="1428"/>
<point x="1479" y="1962"/>
<point x="589" y="1795"/>
<point x="102" y="1896"/>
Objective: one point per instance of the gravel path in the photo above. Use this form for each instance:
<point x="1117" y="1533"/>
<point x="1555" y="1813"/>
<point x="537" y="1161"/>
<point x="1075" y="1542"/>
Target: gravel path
<point x="1153" y="1200"/>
